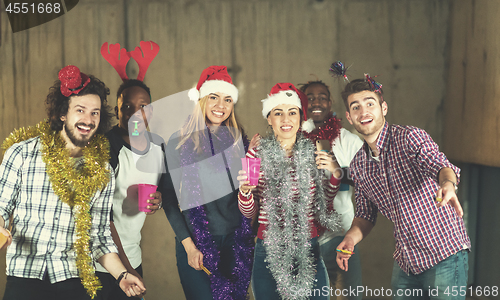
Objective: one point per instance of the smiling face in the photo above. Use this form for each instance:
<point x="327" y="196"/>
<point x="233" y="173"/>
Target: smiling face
<point x="133" y="108"/>
<point x="218" y="108"/>
<point x="367" y="114"/>
<point x="82" y="119"/>
<point x="319" y="103"/>
<point x="285" y="121"/>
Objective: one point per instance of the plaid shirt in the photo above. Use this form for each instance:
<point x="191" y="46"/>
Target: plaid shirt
<point x="43" y="231"/>
<point x="402" y="186"/>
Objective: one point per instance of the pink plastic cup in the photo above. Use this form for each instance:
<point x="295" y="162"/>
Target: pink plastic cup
<point x="144" y="191"/>
<point x="252" y="167"/>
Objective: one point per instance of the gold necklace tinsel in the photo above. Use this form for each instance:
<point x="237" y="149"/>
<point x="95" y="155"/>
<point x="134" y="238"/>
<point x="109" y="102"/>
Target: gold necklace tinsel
<point x="73" y="187"/>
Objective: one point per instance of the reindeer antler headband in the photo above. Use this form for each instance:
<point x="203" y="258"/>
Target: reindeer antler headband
<point x="118" y="57"/>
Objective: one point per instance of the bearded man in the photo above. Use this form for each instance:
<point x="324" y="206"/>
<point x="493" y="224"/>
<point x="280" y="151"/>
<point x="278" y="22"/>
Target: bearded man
<point x="56" y="187"/>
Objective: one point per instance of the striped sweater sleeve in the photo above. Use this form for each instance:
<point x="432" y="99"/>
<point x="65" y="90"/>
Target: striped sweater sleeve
<point x="331" y="188"/>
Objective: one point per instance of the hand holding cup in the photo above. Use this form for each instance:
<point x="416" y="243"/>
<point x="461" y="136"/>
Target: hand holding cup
<point x="144" y="195"/>
<point x="249" y="176"/>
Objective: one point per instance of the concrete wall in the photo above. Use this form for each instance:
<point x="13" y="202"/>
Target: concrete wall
<point x="472" y="127"/>
<point x="471" y="130"/>
<point x="262" y="42"/>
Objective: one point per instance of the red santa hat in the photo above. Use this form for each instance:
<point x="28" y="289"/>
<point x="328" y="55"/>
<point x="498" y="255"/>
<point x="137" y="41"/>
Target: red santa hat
<point x="212" y="80"/>
<point x="287" y="93"/>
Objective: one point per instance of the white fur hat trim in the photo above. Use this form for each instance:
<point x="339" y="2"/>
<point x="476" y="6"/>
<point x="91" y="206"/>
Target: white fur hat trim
<point x="283" y="97"/>
<point x="214" y="86"/>
<point x="194" y="95"/>
<point x="308" y="125"/>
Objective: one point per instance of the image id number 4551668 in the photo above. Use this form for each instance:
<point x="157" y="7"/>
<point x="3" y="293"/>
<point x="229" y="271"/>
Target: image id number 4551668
<point x="472" y="291"/>
<point x="40" y="8"/>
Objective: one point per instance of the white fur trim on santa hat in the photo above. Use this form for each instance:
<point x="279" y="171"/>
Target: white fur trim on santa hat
<point x="221" y="86"/>
<point x="194" y="95"/>
<point x="308" y="125"/>
<point x="283" y="97"/>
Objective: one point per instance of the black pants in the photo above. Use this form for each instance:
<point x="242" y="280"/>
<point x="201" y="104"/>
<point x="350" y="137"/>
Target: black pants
<point x="18" y="288"/>
<point x="110" y="290"/>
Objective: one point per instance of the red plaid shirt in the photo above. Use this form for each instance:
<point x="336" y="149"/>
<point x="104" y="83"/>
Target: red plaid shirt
<point x="402" y="186"/>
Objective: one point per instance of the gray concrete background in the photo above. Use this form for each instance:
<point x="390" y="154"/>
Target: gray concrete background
<point x="405" y="42"/>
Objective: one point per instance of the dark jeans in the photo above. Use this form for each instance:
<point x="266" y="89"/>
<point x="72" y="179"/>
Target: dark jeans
<point x="110" y="290"/>
<point x="196" y="284"/>
<point x="264" y="285"/>
<point x="18" y="288"/>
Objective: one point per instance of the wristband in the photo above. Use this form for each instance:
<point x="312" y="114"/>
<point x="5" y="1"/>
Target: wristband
<point x="452" y="182"/>
<point x="247" y="194"/>
<point x="245" y="202"/>
<point x="122" y="275"/>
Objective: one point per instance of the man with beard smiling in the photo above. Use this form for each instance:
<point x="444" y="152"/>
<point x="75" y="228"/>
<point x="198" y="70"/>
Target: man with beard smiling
<point x="56" y="187"/>
<point x="344" y="146"/>
<point x="400" y="172"/>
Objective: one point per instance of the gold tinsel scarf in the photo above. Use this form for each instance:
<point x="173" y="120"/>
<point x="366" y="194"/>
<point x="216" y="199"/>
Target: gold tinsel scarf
<point x="73" y="187"/>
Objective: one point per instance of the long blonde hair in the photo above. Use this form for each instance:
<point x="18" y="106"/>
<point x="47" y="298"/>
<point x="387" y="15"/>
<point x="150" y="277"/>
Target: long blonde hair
<point x="198" y="122"/>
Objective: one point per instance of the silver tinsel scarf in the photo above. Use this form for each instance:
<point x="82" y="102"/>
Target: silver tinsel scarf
<point x="287" y="195"/>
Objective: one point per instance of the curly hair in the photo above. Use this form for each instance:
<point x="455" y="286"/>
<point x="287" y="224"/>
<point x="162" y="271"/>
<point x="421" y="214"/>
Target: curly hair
<point x="58" y="104"/>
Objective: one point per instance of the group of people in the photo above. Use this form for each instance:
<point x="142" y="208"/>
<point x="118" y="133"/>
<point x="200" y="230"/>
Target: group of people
<point x="68" y="193"/>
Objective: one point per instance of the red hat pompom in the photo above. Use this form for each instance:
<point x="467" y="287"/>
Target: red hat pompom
<point x="72" y="80"/>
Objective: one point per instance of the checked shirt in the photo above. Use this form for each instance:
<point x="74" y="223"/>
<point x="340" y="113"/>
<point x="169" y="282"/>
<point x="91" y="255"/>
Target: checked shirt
<point x="43" y="231"/>
<point x="402" y="186"/>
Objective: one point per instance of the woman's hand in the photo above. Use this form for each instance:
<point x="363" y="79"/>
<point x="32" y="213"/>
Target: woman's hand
<point x="245" y="186"/>
<point x="255" y="141"/>
<point x="195" y="257"/>
<point x="326" y="161"/>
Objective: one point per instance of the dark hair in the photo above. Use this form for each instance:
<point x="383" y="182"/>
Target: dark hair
<point x="130" y="83"/>
<point x="58" y="104"/>
<point x="301" y="113"/>
<point x="303" y="87"/>
<point x="359" y="85"/>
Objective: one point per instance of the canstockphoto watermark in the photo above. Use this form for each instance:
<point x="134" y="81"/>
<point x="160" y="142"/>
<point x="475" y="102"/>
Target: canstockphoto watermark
<point x="355" y="292"/>
<point x="365" y="291"/>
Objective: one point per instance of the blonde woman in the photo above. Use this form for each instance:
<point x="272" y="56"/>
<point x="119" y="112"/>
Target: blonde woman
<point x="213" y="239"/>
